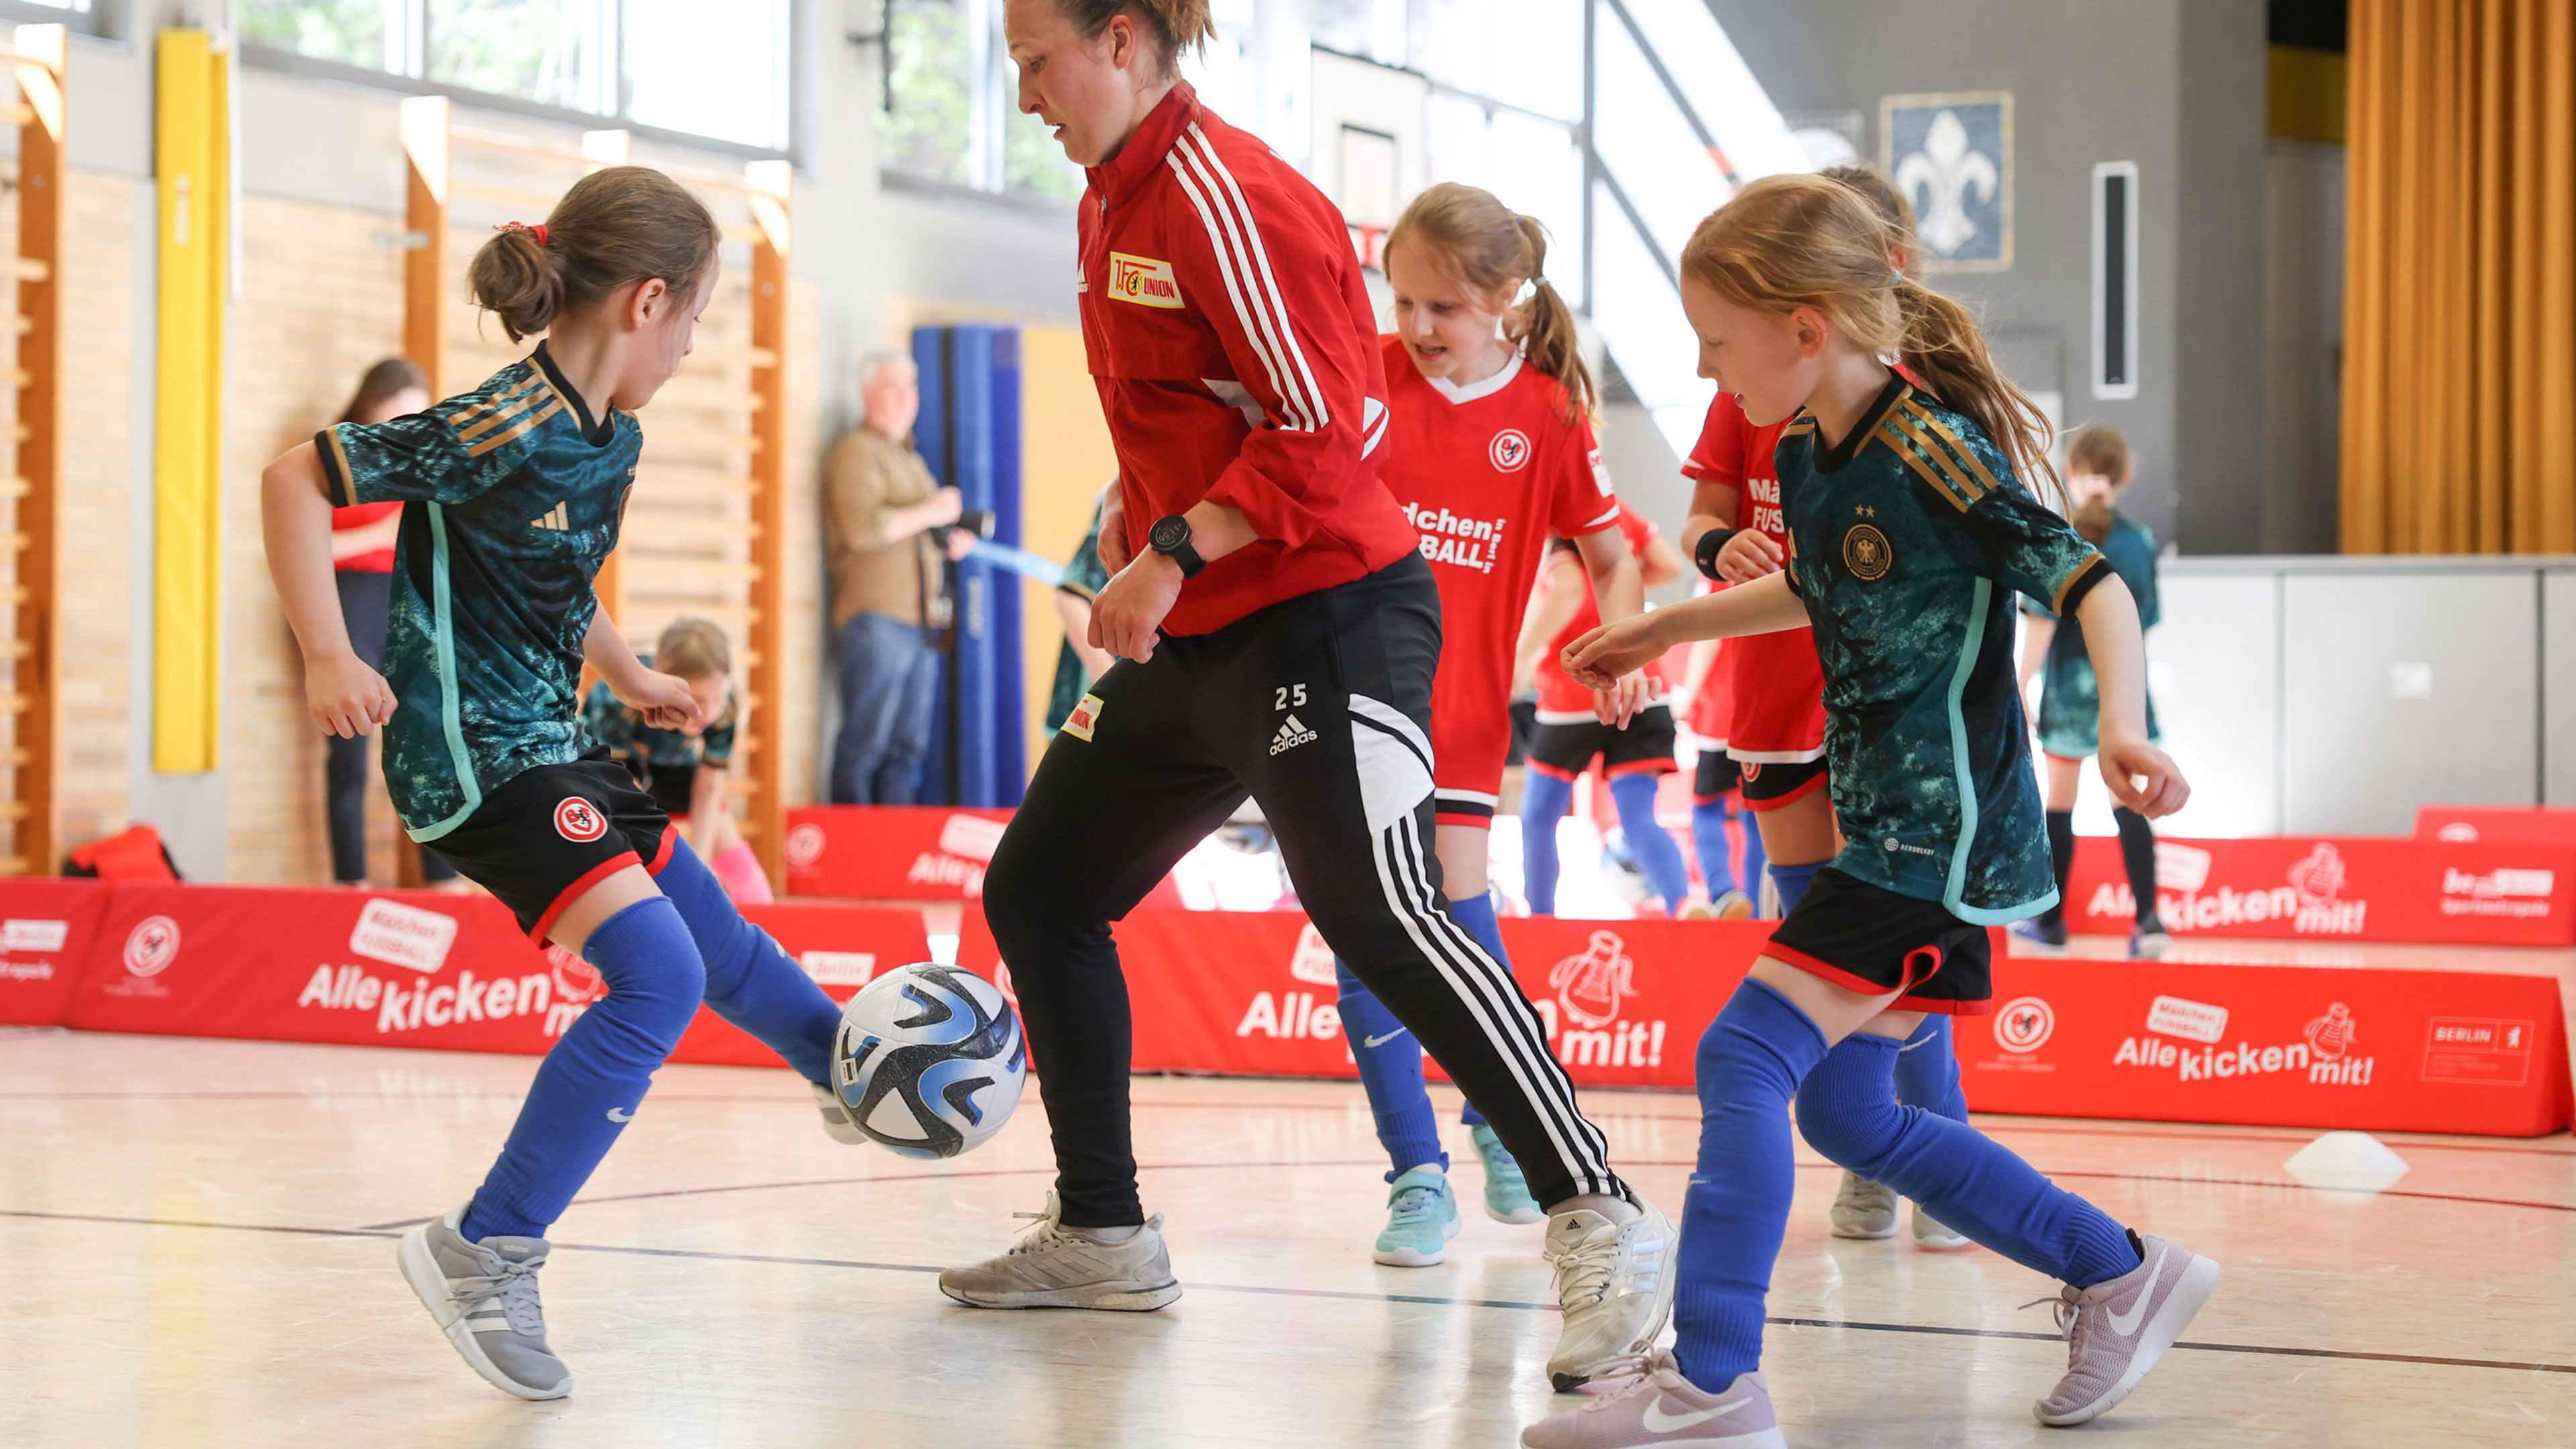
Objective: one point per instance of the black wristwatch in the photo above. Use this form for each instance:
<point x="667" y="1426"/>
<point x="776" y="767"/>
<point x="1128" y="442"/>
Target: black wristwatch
<point x="1170" y="537"/>
<point x="1706" y="554"/>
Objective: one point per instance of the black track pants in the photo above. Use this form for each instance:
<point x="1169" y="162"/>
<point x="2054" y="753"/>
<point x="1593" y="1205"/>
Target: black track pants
<point x="1315" y="707"/>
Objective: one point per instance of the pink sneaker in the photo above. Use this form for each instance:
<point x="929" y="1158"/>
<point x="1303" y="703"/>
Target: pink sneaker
<point x="1646" y="1401"/>
<point x="2116" y="1331"/>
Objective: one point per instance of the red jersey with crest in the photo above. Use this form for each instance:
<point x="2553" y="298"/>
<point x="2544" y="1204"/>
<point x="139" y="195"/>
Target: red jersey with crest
<point x="1779" y="687"/>
<point x="1235" y="351"/>
<point x="1712" y="709"/>
<point x="1560" y="699"/>
<point x="1485" y="473"/>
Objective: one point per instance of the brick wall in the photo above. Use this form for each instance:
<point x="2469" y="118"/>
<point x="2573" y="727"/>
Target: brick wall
<point x="99" y="715"/>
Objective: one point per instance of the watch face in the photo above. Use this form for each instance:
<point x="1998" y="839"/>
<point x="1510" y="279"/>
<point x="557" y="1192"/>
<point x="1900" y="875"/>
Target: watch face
<point x="1170" y="532"/>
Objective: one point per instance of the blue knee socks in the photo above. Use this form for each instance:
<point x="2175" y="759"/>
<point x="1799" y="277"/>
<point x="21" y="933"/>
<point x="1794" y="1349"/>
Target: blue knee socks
<point x="1476" y="913"/>
<point x="1708" y="841"/>
<point x="1755" y="859"/>
<point x="1791" y="882"/>
<point x="1544" y="801"/>
<point x="1847" y="1110"/>
<point x="1750" y="1063"/>
<point x="750" y="981"/>
<point x="591" y="1084"/>
<point x="1927" y="1071"/>
<point x="1658" y="854"/>
<point x="1390" y="1063"/>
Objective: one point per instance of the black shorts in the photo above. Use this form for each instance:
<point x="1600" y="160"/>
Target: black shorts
<point x="1567" y="750"/>
<point x="1717" y="774"/>
<point x="1871" y="939"/>
<point x="673" y="787"/>
<point x="550" y="833"/>
<point x="1768" y="787"/>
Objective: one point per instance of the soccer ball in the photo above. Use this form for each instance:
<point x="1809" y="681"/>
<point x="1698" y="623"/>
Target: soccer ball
<point x="929" y="1060"/>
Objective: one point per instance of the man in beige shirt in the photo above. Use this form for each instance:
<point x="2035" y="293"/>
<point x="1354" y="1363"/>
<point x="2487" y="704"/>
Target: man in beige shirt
<point x="889" y="597"/>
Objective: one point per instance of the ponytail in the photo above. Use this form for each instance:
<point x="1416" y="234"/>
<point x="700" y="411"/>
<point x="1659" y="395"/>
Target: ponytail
<point x="1491" y="250"/>
<point x="1942" y="345"/>
<point x="615" y="226"/>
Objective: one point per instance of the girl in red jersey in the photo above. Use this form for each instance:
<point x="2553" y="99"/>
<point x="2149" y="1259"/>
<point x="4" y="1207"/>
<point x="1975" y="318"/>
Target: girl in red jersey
<point x="1488" y="449"/>
<point x="1278" y="632"/>
<point x="1779" y="727"/>
<point x="1705" y="700"/>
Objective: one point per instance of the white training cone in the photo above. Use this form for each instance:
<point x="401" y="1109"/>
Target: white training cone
<point x="2354" y="1160"/>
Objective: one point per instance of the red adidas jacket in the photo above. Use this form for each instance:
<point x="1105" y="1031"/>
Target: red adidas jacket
<point x="1236" y="355"/>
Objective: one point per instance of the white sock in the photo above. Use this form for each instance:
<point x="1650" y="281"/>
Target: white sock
<point x="1435" y="1169"/>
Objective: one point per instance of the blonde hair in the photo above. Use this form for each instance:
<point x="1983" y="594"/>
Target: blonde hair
<point x="1794" y="241"/>
<point x="693" y="648"/>
<point x="1486" y="247"/>
<point x="2099" y="450"/>
<point x="1883" y="198"/>
<point x="1172" y="25"/>
<point x="615" y="226"/>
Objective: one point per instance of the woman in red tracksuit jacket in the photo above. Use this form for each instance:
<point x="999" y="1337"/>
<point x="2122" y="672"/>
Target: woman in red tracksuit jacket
<point x="1278" y="634"/>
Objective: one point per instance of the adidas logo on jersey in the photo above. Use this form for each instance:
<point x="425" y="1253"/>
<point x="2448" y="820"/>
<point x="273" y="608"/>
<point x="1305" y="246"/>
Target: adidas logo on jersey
<point x="1291" y="735"/>
<point x="558" y="519"/>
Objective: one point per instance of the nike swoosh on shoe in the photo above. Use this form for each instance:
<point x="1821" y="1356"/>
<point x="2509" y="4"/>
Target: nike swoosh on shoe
<point x="2126" y="1324"/>
<point x="1659" y="1422"/>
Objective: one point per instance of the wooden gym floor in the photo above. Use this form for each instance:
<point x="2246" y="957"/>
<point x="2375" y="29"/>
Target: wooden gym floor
<point x="198" y="1242"/>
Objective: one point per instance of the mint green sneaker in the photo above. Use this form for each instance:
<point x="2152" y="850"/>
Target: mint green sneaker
<point x="1507" y="1194"/>
<point x="1421" y="1218"/>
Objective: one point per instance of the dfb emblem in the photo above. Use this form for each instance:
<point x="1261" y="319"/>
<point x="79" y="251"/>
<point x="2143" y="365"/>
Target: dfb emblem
<point x="2024" y="1024"/>
<point x="1510" y="451"/>
<point x="579" y="821"/>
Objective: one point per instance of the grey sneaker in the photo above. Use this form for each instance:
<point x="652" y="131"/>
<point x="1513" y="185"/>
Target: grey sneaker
<point x="1930" y="1232"/>
<point x="1647" y="1402"/>
<point x="1053" y="1266"/>
<point x="2116" y="1331"/>
<point x="483" y="1296"/>
<point x="1864" y="1209"/>
<point x="836" y="1118"/>
<point x="1615" y="1281"/>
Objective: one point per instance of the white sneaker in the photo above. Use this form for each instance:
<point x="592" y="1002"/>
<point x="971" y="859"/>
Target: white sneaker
<point x="836" y="1118"/>
<point x="483" y="1296"/>
<point x="1864" y="1209"/>
<point x="1932" y="1233"/>
<point x="1647" y="1404"/>
<point x="1615" y="1281"/>
<point x="2116" y="1331"/>
<point x="1053" y="1266"/>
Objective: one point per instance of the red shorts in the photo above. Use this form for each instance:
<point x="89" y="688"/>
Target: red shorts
<point x="1779" y="698"/>
<point x="1468" y="747"/>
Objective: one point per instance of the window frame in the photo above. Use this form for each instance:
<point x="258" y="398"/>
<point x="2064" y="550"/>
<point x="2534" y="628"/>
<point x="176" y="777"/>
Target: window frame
<point x="790" y="75"/>
<point x="103" y="20"/>
<point x="992" y="90"/>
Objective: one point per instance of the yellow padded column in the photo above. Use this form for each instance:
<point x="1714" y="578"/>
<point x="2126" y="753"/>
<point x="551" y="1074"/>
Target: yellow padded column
<point x="191" y="155"/>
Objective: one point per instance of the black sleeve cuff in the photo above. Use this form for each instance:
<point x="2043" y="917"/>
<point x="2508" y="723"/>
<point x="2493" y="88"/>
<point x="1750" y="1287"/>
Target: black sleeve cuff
<point x="1790" y="577"/>
<point x="2072" y="592"/>
<point x="335" y="468"/>
<point x="1705" y="555"/>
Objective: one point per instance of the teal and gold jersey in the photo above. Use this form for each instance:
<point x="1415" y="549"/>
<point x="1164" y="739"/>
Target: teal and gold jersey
<point x="1907" y="541"/>
<point x="512" y="495"/>
<point x="2070" y="698"/>
<point x="619" y="729"/>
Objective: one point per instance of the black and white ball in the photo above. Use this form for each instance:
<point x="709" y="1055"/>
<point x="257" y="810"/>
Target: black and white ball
<point x="929" y="1060"/>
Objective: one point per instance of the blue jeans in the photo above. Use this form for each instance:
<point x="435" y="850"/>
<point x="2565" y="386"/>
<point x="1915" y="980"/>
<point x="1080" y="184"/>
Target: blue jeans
<point x="889" y="674"/>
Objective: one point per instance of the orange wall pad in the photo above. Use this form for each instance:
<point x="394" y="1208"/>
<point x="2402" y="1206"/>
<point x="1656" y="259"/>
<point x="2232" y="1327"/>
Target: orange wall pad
<point x="2390" y="888"/>
<point x="397" y="968"/>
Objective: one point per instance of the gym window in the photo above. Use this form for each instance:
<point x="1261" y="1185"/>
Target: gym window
<point x="950" y="113"/>
<point x="682" y="68"/>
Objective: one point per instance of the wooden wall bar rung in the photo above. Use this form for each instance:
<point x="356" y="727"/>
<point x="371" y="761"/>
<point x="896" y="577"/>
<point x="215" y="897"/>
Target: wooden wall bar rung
<point x="765" y="772"/>
<point x="34" y="808"/>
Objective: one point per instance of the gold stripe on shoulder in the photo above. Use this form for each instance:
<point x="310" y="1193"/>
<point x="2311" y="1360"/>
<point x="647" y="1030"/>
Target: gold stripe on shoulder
<point x="1929" y="475"/>
<point x="527" y="423"/>
<point x="1966" y="454"/>
<point x="1803" y="423"/>
<point x="471" y="413"/>
<point x="1912" y="441"/>
<point x="499" y="417"/>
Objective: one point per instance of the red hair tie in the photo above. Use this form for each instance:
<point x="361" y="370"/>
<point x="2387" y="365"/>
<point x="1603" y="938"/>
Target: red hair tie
<point x="539" y="229"/>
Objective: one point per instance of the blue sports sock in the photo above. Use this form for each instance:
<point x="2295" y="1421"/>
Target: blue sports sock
<point x="1544" y="801"/>
<point x="1390" y="1062"/>
<point x="1791" y="881"/>
<point x="1847" y="1110"/>
<point x="1476" y="913"/>
<point x="1750" y="1062"/>
<point x="1755" y="860"/>
<point x="1708" y="841"/>
<point x="1927" y="1071"/>
<point x="1658" y="854"/>
<point x="591" y="1084"/>
<point x="750" y="981"/>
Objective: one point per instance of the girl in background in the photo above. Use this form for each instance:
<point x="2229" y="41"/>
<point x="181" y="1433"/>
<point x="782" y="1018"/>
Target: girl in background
<point x="1911" y="529"/>
<point x="1488" y="450"/>
<point x="2098" y="467"/>
<point x="684" y="769"/>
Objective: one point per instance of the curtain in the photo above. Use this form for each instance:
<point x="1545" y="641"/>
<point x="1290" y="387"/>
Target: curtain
<point x="2459" y="384"/>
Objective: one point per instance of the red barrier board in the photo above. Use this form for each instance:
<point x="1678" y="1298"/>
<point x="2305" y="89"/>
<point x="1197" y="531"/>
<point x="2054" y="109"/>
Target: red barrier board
<point x="1251" y="993"/>
<point x="2348" y="888"/>
<point x="2376" y="1050"/>
<point x="2496" y="825"/>
<point x="891" y="852"/>
<point x="410" y="968"/>
<point x="45" y="930"/>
